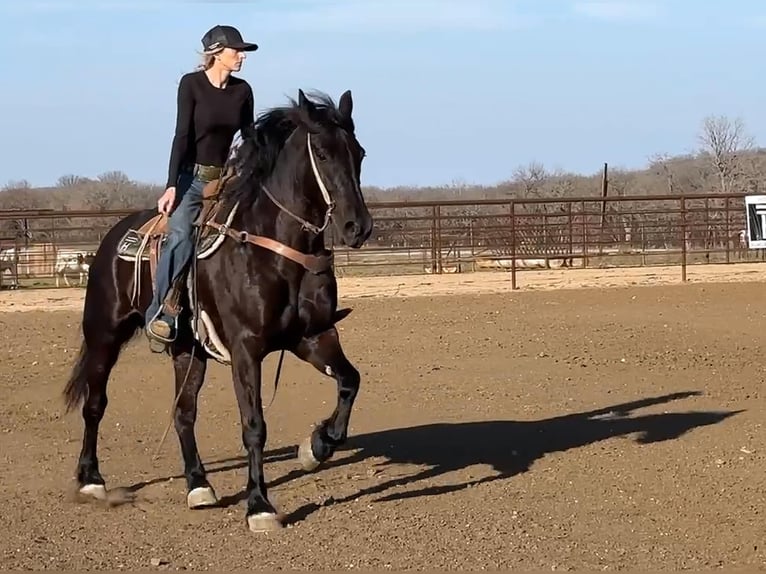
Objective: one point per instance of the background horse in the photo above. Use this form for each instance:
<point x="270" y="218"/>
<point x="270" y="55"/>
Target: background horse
<point x="268" y="286"/>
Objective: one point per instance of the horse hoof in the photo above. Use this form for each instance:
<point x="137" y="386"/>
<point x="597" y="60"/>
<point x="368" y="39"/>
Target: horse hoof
<point x="264" y="522"/>
<point x="201" y="497"/>
<point x="306" y="455"/>
<point x="97" y="491"/>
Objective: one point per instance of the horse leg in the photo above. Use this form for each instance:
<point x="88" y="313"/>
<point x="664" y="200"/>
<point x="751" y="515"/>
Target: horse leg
<point x="98" y="354"/>
<point x="190" y="365"/>
<point x="324" y="352"/>
<point x="247" y="356"/>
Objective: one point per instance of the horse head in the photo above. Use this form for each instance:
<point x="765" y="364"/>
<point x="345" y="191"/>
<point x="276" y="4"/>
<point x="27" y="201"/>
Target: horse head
<point x="306" y="158"/>
<point x="335" y="156"/>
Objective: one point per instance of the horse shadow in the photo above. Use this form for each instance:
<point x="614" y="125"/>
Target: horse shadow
<point x="509" y="447"/>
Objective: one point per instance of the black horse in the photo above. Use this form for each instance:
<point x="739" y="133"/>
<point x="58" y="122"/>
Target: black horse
<point x="266" y="285"/>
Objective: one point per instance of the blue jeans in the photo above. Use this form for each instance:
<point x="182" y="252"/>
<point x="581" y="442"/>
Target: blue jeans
<point x="179" y="247"/>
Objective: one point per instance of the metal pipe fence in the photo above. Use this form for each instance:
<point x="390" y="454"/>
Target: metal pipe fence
<point x="457" y="236"/>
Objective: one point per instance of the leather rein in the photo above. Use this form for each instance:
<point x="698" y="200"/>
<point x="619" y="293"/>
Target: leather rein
<point x="313" y="263"/>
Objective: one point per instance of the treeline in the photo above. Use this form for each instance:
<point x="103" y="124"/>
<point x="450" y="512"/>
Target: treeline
<point x="726" y="160"/>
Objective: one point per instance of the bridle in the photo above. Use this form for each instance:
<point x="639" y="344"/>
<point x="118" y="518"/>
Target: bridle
<point x="308" y="226"/>
<point x="314" y="263"/>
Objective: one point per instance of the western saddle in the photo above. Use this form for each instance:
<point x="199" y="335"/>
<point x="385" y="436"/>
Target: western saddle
<point x="144" y="243"/>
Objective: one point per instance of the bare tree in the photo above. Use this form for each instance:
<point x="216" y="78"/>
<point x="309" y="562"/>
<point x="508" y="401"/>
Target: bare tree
<point x="724" y="140"/>
<point x="115" y="189"/>
<point x="531" y="178"/>
<point x="114" y="179"/>
<point x="659" y="163"/>
<point x="70" y="180"/>
<point x="561" y="184"/>
<point x="16" y="184"/>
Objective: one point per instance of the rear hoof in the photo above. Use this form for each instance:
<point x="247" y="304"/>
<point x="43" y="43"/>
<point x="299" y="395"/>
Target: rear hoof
<point x="264" y="522"/>
<point x="201" y="497"/>
<point x="97" y="491"/>
<point x="306" y="455"/>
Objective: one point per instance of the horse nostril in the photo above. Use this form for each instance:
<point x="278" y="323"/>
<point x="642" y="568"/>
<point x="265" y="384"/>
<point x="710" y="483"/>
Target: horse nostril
<point x="352" y="228"/>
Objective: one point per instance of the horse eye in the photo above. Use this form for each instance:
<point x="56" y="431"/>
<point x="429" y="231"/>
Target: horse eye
<point x="320" y="155"/>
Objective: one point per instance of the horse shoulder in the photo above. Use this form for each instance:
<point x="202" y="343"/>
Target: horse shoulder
<point x="318" y="300"/>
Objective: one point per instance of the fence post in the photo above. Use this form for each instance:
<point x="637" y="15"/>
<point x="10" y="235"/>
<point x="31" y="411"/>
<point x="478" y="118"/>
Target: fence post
<point x="584" y="237"/>
<point x="433" y="239"/>
<point x="439" y="263"/>
<point x="513" y="245"/>
<point x="683" y="239"/>
<point x="727" y="230"/>
<point x="570" y="239"/>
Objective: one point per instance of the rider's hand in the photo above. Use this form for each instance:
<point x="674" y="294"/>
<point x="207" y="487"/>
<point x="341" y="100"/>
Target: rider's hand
<point x="166" y="201"/>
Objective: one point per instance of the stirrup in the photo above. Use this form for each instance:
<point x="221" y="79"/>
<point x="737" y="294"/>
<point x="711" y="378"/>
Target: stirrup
<point x="158" y="343"/>
<point x="154" y="335"/>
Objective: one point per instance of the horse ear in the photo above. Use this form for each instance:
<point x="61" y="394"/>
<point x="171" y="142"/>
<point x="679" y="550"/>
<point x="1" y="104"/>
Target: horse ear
<point x="346" y="104"/>
<point x="303" y="102"/>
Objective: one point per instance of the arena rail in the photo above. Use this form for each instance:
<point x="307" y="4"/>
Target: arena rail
<point x="453" y="236"/>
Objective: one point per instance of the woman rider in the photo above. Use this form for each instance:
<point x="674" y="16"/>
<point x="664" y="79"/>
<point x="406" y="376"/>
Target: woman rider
<point x="212" y="106"/>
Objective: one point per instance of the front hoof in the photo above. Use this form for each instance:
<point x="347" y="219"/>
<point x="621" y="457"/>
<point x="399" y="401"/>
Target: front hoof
<point x="264" y="522"/>
<point x="97" y="491"/>
<point x="306" y="455"/>
<point x="201" y="497"/>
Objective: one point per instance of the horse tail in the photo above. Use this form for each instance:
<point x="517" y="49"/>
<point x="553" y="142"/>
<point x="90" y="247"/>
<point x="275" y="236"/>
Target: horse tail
<point x="76" y="389"/>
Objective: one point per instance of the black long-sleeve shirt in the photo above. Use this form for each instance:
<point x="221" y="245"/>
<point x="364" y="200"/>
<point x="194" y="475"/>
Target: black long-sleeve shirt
<point x="207" y="120"/>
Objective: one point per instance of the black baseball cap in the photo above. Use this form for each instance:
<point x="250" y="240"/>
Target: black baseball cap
<point x="226" y="37"/>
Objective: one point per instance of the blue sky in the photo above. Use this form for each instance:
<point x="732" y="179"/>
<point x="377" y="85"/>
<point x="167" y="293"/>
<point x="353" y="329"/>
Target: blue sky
<point x="445" y="90"/>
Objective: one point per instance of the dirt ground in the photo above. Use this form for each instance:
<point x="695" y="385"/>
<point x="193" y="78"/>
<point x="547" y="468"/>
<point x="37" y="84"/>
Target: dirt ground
<point x="551" y="427"/>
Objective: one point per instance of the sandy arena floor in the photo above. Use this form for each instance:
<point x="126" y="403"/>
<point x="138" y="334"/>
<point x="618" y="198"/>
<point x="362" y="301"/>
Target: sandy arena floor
<point x="554" y="427"/>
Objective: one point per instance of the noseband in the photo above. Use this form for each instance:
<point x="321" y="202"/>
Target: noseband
<point x="322" y="187"/>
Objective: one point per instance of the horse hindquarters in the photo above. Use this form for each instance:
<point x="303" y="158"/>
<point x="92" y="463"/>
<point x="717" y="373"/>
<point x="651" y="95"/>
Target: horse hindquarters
<point x="108" y="323"/>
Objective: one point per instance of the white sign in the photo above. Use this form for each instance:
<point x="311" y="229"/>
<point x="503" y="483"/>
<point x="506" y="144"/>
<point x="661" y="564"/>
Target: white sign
<point x="755" y="206"/>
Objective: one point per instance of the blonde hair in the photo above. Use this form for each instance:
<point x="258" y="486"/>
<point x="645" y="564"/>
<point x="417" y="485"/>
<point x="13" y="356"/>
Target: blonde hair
<point x="208" y="59"/>
<point x="207" y="62"/>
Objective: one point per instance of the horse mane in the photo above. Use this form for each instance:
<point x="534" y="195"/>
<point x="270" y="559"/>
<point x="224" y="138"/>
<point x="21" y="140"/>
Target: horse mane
<point x="256" y="157"/>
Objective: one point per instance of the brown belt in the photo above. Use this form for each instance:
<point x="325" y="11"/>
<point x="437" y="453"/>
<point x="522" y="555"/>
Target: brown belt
<point x="206" y="173"/>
